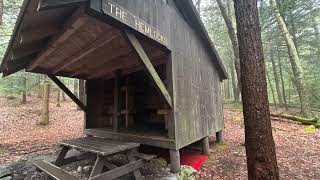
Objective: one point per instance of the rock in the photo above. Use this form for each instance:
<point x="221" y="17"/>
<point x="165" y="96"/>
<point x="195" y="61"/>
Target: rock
<point x="4" y="171"/>
<point x="86" y="168"/>
<point x="18" y="177"/>
<point x="158" y="163"/>
<point x="79" y="169"/>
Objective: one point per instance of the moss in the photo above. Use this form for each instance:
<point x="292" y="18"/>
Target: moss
<point x="220" y="146"/>
<point x="3" y="151"/>
<point x="310" y="129"/>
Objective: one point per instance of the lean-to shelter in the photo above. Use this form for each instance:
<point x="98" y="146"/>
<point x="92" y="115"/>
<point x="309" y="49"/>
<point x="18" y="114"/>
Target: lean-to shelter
<point x="152" y="73"/>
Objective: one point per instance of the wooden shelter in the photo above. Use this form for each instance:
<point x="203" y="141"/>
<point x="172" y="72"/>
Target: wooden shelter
<point x="152" y="73"/>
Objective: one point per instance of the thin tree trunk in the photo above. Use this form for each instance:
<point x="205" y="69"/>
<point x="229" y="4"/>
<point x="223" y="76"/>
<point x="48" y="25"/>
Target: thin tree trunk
<point x="198" y="4"/>
<point x="81" y="92"/>
<point x="24" y="91"/>
<point x="45" y="103"/>
<point x="299" y="80"/>
<point x="39" y="85"/>
<point x="260" y="147"/>
<point x="233" y="37"/>
<point x="58" y="97"/>
<point x="293" y="28"/>
<point x="282" y="80"/>
<point x="76" y="87"/>
<point x="63" y="95"/>
<point x="276" y="78"/>
<point x="235" y="89"/>
<point x="317" y="36"/>
<point x="1" y="11"/>
<point x="272" y="91"/>
<point x="228" y="94"/>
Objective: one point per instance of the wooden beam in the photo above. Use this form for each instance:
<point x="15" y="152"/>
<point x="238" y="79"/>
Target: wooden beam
<point x="68" y="92"/>
<point x="37" y="34"/>
<point x="98" y="43"/>
<point x="161" y="142"/>
<point x="120" y="171"/>
<point x="76" y="21"/>
<point x="148" y="65"/>
<point x="26" y="50"/>
<point x="52" y="4"/>
<point x="15" y="65"/>
<point x="54" y="171"/>
<point x="116" y="102"/>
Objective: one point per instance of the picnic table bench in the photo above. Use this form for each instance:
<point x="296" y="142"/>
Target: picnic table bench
<point x="100" y="149"/>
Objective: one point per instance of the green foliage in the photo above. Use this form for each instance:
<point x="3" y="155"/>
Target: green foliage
<point x="187" y="173"/>
<point x="303" y="20"/>
<point x="310" y="129"/>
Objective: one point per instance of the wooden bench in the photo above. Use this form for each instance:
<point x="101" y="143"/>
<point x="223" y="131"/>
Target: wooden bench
<point x="101" y="149"/>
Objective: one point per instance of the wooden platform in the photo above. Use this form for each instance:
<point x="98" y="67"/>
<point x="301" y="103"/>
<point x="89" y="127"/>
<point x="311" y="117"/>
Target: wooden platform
<point x="101" y="149"/>
<point x="143" y="137"/>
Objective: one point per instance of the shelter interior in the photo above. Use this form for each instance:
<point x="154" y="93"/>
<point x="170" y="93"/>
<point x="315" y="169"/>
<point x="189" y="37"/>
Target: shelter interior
<point x="141" y="110"/>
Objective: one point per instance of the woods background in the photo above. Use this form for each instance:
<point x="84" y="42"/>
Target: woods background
<point x="291" y="40"/>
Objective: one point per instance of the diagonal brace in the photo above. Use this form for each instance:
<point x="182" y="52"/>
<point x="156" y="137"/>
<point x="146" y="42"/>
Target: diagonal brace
<point x="68" y="92"/>
<point x="148" y="65"/>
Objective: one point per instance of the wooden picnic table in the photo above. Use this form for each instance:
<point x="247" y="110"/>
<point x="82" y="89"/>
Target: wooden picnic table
<point x="101" y="149"/>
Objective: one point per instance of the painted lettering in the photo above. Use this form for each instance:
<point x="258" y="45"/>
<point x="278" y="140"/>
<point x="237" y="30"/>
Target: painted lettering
<point x="133" y="21"/>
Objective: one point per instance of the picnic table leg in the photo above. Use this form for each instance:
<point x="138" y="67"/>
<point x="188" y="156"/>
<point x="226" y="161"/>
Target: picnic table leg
<point x="98" y="166"/>
<point x="59" y="161"/>
<point x="62" y="154"/>
<point x="131" y="158"/>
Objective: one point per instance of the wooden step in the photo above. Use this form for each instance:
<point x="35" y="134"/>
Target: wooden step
<point x="54" y="171"/>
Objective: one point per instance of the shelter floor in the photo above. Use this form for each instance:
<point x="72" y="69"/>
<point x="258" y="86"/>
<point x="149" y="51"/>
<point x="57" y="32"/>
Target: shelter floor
<point x="147" y="132"/>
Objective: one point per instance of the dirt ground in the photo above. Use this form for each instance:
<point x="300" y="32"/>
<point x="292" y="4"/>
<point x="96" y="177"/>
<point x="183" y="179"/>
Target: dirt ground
<point x="20" y="135"/>
<point x="298" y="152"/>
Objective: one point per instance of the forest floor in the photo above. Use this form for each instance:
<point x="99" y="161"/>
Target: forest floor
<point x="298" y="151"/>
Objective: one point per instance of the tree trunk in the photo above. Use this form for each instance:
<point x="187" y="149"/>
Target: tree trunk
<point x="282" y="80"/>
<point x="58" y="97"/>
<point x="317" y="36"/>
<point x="39" y="85"/>
<point x="260" y="147"/>
<point x="81" y="92"/>
<point x="45" y="103"/>
<point x="298" y="77"/>
<point x="234" y="84"/>
<point x="198" y="5"/>
<point x="276" y="78"/>
<point x="272" y="91"/>
<point x="293" y="28"/>
<point x="233" y="37"/>
<point x="24" y="91"/>
<point x="76" y="87"/>
<point x="1" y="11"/>
<point x="63" y="95"/>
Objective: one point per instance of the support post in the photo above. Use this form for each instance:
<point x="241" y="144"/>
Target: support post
<point x="205" y="146"/>
<point x="116" y="103"/>
<point x="67" y="91"/>
<point x="132" y="39"/>
<point x="174" y="161"/>
<point x="219" y="137"/>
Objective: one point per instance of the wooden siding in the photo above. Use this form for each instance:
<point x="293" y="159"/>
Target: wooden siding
<point x="196" y="81"/>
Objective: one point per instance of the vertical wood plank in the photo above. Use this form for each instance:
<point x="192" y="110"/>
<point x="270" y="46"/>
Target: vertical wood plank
<point x="116" y="103"/>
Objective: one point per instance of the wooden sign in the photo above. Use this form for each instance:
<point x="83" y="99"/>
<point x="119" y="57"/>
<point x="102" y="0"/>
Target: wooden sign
<point x="119" y="13"/>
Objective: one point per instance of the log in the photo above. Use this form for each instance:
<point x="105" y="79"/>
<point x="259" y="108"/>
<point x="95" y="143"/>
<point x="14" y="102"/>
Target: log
<point x="305" y="121"/>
